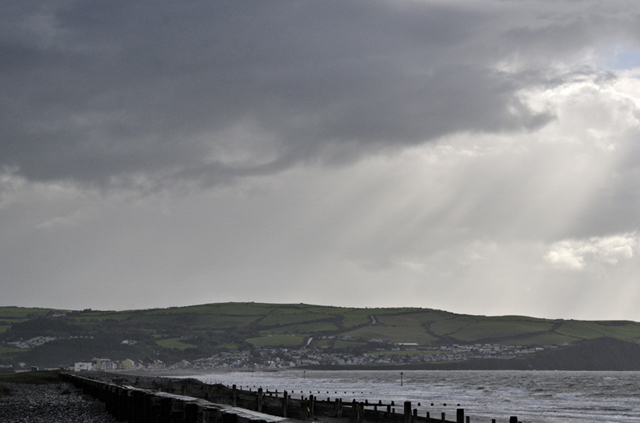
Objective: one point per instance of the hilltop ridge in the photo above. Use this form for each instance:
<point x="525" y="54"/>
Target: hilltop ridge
<point x="263" y="332"/>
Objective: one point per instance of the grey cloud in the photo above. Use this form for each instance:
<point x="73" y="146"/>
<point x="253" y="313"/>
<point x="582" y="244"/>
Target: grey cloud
<point x="95" y="90"/>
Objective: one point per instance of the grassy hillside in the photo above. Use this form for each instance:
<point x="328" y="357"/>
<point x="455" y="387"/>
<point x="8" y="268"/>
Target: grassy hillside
<point x="28" y="334"/>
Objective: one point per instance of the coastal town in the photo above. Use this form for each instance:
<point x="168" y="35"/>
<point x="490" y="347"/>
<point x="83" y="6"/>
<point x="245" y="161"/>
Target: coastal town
<point x="282" y="358"/>
<point x="273" y="358"/>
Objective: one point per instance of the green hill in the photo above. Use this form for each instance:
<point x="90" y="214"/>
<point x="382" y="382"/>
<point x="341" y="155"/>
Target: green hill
<point x="37" y="336"/>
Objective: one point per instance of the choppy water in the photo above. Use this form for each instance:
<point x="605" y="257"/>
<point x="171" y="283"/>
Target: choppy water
<point x="535" y="396"/>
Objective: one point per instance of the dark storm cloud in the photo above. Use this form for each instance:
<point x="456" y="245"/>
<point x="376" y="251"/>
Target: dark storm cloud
<point x="92" y="90"/>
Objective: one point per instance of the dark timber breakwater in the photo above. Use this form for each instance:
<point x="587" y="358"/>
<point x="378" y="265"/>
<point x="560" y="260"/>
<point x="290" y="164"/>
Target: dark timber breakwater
<point x="166" y="400"/>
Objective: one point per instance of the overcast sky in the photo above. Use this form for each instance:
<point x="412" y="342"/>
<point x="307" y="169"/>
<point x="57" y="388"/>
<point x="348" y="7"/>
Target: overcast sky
<point x="480" y="157"/>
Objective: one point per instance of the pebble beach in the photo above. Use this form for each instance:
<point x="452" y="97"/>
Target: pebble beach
<point x="50" y="403"/>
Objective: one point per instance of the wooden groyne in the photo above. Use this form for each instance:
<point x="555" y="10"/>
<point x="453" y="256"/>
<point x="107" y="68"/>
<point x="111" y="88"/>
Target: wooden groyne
<point x="136" y="404"/>
<point x="164" y="400"/>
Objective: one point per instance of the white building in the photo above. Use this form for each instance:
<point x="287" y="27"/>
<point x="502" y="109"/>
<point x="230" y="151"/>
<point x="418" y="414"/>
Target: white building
<point x="79" y="367"/>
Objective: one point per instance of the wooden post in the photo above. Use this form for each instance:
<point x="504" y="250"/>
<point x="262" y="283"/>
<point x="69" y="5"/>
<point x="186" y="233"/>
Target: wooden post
<point x="209" y="415"/>
<point x="190" y="413"/>
<point x="460" y="415"/>
<point x="122" y="404"/>
<point x="165" y="410"/>
<point x="234" y="396"/>
<point x="128" y="406"/>
<point x="312" y="405"/>
<point x="513" y="419"/>
<point x="407" y="412"/>
<point x="468" y="419"/>
<point x="443" y="419"/>
<point x="112" y="404"/>
<point x="259" y="400"/>
<point x="177" y="411"/>
<point x="304" y="409"/>
<point x="133" y="405"/>
<point x="137" y="405"/>
<point x="115" y="405"/>
<point x="153" y="408"/>
<point x="229" y="417"/>
<point x="285" y="401"/>
<point x="354" y="411"/>
<point x="357" y="408"/>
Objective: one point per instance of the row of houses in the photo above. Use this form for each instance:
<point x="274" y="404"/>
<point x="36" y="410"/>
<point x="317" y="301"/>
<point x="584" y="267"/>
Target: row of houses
<point x="105" y="364"/>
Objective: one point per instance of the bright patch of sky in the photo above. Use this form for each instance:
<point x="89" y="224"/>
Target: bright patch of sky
<point x="621" y="57"/>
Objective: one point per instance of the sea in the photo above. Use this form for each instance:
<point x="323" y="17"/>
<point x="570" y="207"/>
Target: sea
<point x="532" y="396"/>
